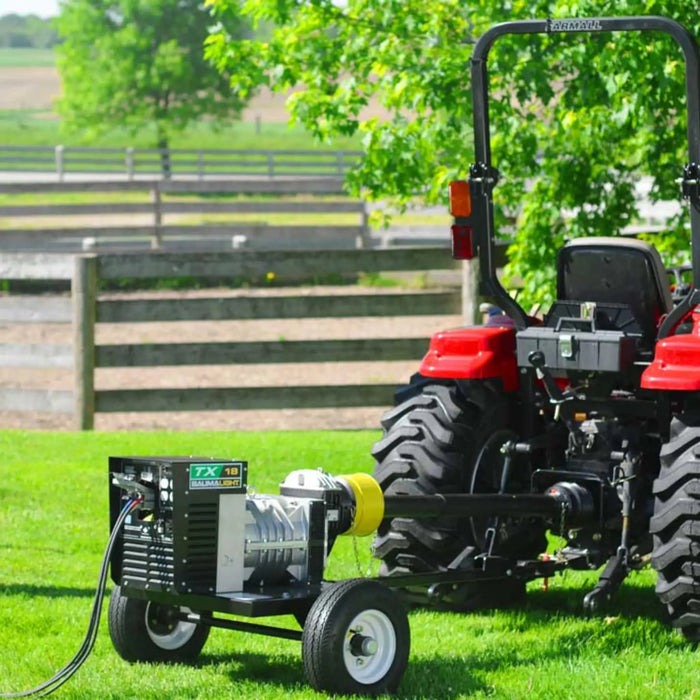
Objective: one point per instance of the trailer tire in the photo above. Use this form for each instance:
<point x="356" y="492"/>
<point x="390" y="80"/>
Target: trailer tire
<point x="433" y="443"/>
<point x="356" y="639"/>
<point x="145" y="631"/>
<point x="675" y="526"/>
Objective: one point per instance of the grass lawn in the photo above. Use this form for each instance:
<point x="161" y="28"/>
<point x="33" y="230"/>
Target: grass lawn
<point x="26" y="57"/>
<point x="27" y="128"/>
<point x="54" y="526"/>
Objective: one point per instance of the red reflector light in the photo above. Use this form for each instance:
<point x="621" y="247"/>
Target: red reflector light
<point x="460" y="198"/>
<point x="462" y="244"/>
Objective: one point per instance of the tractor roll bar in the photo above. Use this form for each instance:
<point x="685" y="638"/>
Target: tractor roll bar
<point x="482" y="140"/>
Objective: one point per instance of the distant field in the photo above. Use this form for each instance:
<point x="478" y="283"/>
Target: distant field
<point x="27" y="57"/>
<point x="27" y="128"/>
<point x="30" y="87"/>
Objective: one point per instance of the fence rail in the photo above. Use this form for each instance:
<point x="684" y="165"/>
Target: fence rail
<point x="94" y="232"/>
<point x="86" y="309"/>
<point x="289" y="267"/>
<point x="133" y="163"/>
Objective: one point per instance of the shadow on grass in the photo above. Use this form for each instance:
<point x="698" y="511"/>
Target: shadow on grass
<point x="553" y="623"/>
<point x="449" y="677"/>
<point x="7" y="589"/>
<point x="630" y="601"/>
<point x="550" y="626"/>
<point x="261" y="668"/>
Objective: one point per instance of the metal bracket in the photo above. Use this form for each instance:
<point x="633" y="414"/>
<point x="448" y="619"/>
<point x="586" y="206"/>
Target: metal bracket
<point x="690" y="182"/>
<point x="482" y="177"/>
<point x="567" y="346"/>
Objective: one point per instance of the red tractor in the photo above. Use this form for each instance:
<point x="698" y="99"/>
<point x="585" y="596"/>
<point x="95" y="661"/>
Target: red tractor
<point x="598" y="405"/>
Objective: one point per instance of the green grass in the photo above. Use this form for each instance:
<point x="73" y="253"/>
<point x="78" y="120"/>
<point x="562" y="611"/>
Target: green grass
<point x="53" y="528"/>
<point x="26" y="57"/>
<point x="23" y="128"/>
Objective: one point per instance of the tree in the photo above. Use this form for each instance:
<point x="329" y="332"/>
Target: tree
<point x="24" y="31"/>
<point x="575" y="119"/>
<point x="140" y="64"/>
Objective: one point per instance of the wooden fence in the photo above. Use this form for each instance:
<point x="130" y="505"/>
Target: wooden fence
<point x="132" y="163"/>
<point x="31" y="310"/>
<point x="93" y="234"/>
<point x="88" y="310"/>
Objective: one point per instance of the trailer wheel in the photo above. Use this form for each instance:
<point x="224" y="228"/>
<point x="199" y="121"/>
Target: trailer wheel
<point x="676" y="526"/>
<point x="356" y="639"/>
<point x="442" y="439"/>
<point x="146" y="631"/>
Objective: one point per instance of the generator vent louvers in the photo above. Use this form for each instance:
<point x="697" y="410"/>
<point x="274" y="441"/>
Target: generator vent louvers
<point x="147" y="557"/>
<point x="200" y="546"/>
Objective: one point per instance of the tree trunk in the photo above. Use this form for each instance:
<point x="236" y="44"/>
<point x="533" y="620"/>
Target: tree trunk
<point x="164" y="156"/>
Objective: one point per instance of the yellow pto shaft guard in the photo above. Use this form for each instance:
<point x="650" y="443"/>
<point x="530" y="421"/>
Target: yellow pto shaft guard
<point x="369" y="504"/>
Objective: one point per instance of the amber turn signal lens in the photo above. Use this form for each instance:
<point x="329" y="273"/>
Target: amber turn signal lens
<point x="460" y="198"/>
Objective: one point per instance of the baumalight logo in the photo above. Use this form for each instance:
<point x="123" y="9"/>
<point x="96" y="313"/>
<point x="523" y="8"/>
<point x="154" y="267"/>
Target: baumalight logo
<point x="575" y="25"/>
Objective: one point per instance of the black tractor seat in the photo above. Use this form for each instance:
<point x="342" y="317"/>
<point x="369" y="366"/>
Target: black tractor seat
<point x="617" y="272"/>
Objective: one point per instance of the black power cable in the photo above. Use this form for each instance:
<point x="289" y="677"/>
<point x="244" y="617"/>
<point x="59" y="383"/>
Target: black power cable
<point x="60" y="677"/>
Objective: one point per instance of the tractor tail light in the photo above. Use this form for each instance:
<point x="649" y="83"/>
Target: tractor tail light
<point x="460" y="198"/>
<point x="462" y="242"/>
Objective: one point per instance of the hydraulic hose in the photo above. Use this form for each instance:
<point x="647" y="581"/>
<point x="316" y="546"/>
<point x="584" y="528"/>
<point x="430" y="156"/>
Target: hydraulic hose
<point x="60" y="677"/>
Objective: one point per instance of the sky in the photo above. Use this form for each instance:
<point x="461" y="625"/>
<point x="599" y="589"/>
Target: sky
<point x="43" y="8"/>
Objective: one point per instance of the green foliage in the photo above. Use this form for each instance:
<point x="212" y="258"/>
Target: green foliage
<point x="27" y="32"/>
<point x="575" y="118"/>
<point x="406" y="55"/>
<point x="136" y="63"/>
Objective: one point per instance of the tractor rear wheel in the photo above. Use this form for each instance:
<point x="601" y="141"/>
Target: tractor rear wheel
<point x="442" y="439"/>
<point x="676" y="526"/>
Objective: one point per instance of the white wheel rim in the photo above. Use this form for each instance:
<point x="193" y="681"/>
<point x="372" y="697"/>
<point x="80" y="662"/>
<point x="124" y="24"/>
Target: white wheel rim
<point x="368" y="667"/>
<point x="174" y="638"/>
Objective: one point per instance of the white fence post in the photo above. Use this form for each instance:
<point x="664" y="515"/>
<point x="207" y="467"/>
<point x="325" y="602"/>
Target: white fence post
<point x="157" y="218"/>
<point x="341" y="164"/>
<point x="130" y="163"/>
<point x="84" y="292"/>
<point x="364" y="239"/>
<point x="59" y="162"/>
<point x="470" y="292"/>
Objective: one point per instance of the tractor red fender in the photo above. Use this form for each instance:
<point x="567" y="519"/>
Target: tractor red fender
<point x="676" y="365"/>
<point x="482" y="352"/>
